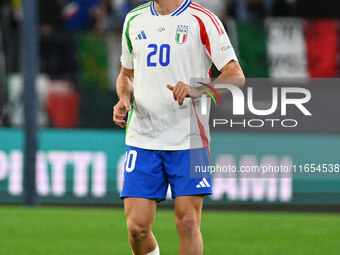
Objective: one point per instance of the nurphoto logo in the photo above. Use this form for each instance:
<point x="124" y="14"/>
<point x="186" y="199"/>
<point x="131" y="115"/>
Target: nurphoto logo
<point x="281" y="98"/>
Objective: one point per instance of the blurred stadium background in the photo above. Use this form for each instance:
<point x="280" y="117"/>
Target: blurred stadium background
<point x="81" y="152"/>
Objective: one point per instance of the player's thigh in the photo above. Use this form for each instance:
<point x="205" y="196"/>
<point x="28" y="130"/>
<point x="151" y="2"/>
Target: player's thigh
<point x="140" y="212"/>
<point x="188" y="209"/>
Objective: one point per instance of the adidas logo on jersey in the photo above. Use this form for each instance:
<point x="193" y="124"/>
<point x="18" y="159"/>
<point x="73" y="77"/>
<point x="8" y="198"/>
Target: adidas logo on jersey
<point x="141" y="36"/>
<point x="203" y="184"/>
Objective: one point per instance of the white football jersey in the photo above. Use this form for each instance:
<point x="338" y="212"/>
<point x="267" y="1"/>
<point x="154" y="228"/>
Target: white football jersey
<point x="166" y="49"/>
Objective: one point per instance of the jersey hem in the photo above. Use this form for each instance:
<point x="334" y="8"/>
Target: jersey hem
<point x="163" y="148"/>
<point x="194" y="194"/>
<point x="145" y="197"/>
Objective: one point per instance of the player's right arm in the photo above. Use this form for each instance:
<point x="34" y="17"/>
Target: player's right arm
<point x="124" y="88"/>
<point x="124" y="85"/>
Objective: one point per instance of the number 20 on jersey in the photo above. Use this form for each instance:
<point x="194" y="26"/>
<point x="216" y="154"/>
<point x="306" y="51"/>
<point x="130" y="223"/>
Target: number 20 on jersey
<point x="159" y="55"/>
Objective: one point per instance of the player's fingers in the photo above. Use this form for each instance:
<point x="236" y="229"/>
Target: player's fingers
<point x="170" y="87"/>
<point x="118" y="117"/>
<point x="119" y="107"/>
<point x="179" y="84"/>
<point x="178" y="90"/>
<point x="180" y="102"/>
<point x="175" y="92"/>
<point x="121" y="123"/>
<point x="127" y="105"/>
<point x="183" y="86"/>
<point x="179" y="93"/>
<point x="119" y="113"/>
<point x="182" y="97"/>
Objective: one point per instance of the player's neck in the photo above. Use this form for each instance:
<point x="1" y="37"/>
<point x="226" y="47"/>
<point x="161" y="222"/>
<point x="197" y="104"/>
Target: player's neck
<point x="165" y="7"/>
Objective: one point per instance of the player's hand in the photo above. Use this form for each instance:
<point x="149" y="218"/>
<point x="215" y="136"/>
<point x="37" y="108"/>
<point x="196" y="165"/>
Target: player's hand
<point x="119" y="112"/>
<point x="180" y="92"/>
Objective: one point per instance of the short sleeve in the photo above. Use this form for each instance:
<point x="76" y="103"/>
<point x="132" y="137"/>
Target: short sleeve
<point x="222" y="51"/>
<point x="126" y="58"/>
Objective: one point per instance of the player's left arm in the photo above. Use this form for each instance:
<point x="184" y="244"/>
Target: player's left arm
<point x="231" y="73"/>
<point x="221" y="54"/>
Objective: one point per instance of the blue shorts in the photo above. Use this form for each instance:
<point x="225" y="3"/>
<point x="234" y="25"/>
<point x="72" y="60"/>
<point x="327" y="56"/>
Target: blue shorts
<point x="147" y="173"/>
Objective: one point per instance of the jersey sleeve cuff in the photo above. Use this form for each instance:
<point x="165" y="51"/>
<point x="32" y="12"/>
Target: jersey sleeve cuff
<point x="227" y="57"/>
<point x="126" y="65"/>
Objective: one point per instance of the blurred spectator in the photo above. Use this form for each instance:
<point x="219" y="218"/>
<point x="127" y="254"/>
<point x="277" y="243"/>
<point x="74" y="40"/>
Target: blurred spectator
<point x="105" y="16"/>
<point x="50" y="18"/>
<point x="58" y="54"/>
<point x="250" y="9"/>
<point x="117" y="4"/>
<point x="285" y="7"/>
<point x="126" y="7"/>
<point x="79" y="14"/>
<point x="57" y="47"/>
<point x="218" y="7"/>
<point x="3" y="93"/>
<point x="10" y="18"/>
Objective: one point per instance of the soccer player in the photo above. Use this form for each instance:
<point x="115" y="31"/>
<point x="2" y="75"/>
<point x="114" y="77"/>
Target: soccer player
<point x="165" y="43"/>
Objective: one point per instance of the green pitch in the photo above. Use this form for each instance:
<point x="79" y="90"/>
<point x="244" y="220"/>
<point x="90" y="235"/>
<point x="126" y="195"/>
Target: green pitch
<point x="60" y="231"/>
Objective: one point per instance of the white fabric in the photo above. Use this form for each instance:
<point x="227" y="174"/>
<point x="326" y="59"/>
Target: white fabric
<point x="154" y="252"/>
<point x="158" y="122"/>
<point x="286" y="48"/>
